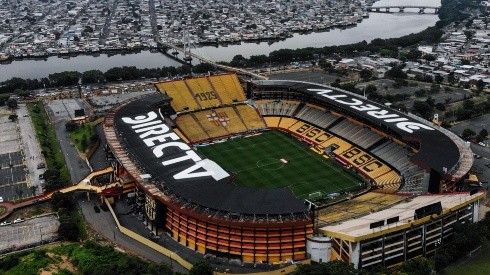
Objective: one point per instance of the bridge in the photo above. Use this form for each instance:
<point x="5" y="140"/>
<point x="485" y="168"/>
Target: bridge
<point x="401" y="8"/>
<point x="188" y="56"/>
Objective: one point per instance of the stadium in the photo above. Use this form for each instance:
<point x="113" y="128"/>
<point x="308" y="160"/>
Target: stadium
<point x="282" y="171"/>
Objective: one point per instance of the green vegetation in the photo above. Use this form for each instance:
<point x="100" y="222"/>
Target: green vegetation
<point x="452" y="10"/>
<point x="25" y="263"/>
<point x="72" y="226"/>
<point x="87" y="258"/>
<point x="478" y="263"/>
<point x="50" y="148"/>
<point x="256" y="161"/>
<point x="2" y="210"/>
<point x="83" y="136"/>
<point x="71" y="78"/>
<point x="201" y="268"/>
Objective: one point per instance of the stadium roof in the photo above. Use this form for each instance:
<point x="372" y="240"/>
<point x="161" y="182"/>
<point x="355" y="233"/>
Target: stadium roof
<point x="359" y="228"/>
<point x="437" y="150"/>
<point x="165" y="157"/>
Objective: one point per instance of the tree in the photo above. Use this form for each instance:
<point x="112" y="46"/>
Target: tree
<point x="483" y="133"/>
<point x="201" y="268"/>
<point x="480" y="85"/>
<point x="62" y="200"/>
<point x="440" y="107"/>
<point x="439" y="78"/>
<point x="71" y="126"/>
<point x="417" y="266"/>
<point x="451" y="78"/>
<point x="335" y="267"/>
<point x="13" y="117"/>
<point x="396" y="72"/>
<point x="420" y="93"/>
<point x="366" y="74"/>
<point x="422" y="108"/>
<point x="446" y="124"/>
<point x="92" y="76"/>
<point x="12" y="103"/>
<point x="468" y="133"/>
<point x="68" y="229"/>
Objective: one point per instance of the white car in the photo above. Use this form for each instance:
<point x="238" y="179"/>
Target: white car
<point x="1" y="199"/>
<point x="19" y="220"/>
<point x="5" y="223"/>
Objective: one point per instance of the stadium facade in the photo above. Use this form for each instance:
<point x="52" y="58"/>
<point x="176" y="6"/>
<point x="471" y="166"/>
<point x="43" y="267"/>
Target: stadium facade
<point x="152" y="143"/>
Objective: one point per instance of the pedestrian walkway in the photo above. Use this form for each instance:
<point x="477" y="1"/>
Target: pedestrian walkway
<point x="83" y="185"/>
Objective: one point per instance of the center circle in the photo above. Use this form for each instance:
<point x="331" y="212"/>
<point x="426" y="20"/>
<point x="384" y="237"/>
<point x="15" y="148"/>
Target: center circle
<point x="269" y="164"/>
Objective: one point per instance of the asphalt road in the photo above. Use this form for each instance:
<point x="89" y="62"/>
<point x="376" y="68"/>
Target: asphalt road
<point x="102" y="222"/>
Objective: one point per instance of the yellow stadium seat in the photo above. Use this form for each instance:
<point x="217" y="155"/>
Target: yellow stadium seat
<point x="203" y="92"/>
<point x="235" y="124"/>
<point x="191" y="128"/>
<point x="250" y="117"/>
<point x="213" y="122"/>
<point x="228" y="88"/>
<point x="272" y="121"/>
<point x="182" y="98"/>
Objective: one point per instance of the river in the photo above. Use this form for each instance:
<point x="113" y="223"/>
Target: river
<point x="378" y="25"/>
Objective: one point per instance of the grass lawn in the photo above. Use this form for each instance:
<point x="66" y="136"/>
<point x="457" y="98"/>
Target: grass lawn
<point x="256" y="162"/>
<point x="83" y="137"/>
<point x="478" y="264"/>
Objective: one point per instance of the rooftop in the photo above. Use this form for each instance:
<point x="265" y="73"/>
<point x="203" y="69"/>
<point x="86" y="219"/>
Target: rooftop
<point x="359" y="228"/>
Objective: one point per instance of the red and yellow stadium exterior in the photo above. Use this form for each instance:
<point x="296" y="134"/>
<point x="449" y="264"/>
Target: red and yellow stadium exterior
<point x="252" y="241"/>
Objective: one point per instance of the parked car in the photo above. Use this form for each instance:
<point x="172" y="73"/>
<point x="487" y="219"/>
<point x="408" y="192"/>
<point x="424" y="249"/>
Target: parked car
<point x="1" y="199"/>
<point x="19" y="220"/>
<point x="41" y="165"/>
<point x="5" y="223"/>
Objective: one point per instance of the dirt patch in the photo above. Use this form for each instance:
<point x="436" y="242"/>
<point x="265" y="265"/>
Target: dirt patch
<point x="32" y="211"/>
<point x="62" y="262"/>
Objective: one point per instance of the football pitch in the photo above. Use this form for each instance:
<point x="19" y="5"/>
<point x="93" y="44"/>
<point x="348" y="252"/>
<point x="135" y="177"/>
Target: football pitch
<point x="257" y="162"/>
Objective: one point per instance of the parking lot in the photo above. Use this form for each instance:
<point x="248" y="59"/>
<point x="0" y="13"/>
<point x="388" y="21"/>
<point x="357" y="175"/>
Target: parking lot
<point x="28" y="233"/>
<point x="14" y="180"/>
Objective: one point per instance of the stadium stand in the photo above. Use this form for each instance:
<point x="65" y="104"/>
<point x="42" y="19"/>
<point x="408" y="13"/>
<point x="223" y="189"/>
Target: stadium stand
<point x="191" y="128"/>
<point x="203" y="92"/>
<point x="183" y="99"/>
<point x="272" y="122"/>
<point x="413" y="181"/>
<point x="228" y="88"/>
<point x="316" y="117"/>
<point x="389" y="182"/>
<point x="181" y="135"/>
<point x="364" y="204"/>
<point x="287" y="122"/>
<point x="341" y="145"/>
<point x="250" y="116"/>
<point x="235" y="124"/>
<point x="213" y="122"/>
<point x="277" y="108"/>
<point x="357" y="134"/>
<point x="396" y="155"/>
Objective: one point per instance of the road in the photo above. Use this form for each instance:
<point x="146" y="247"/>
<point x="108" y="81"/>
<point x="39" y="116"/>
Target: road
<point x="103" y="223"/>
<point x="31" y="146"/>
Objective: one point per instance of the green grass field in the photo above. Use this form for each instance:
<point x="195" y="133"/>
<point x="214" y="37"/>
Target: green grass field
<point x="256" y="161"/>
<point x="476" y="265"/>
